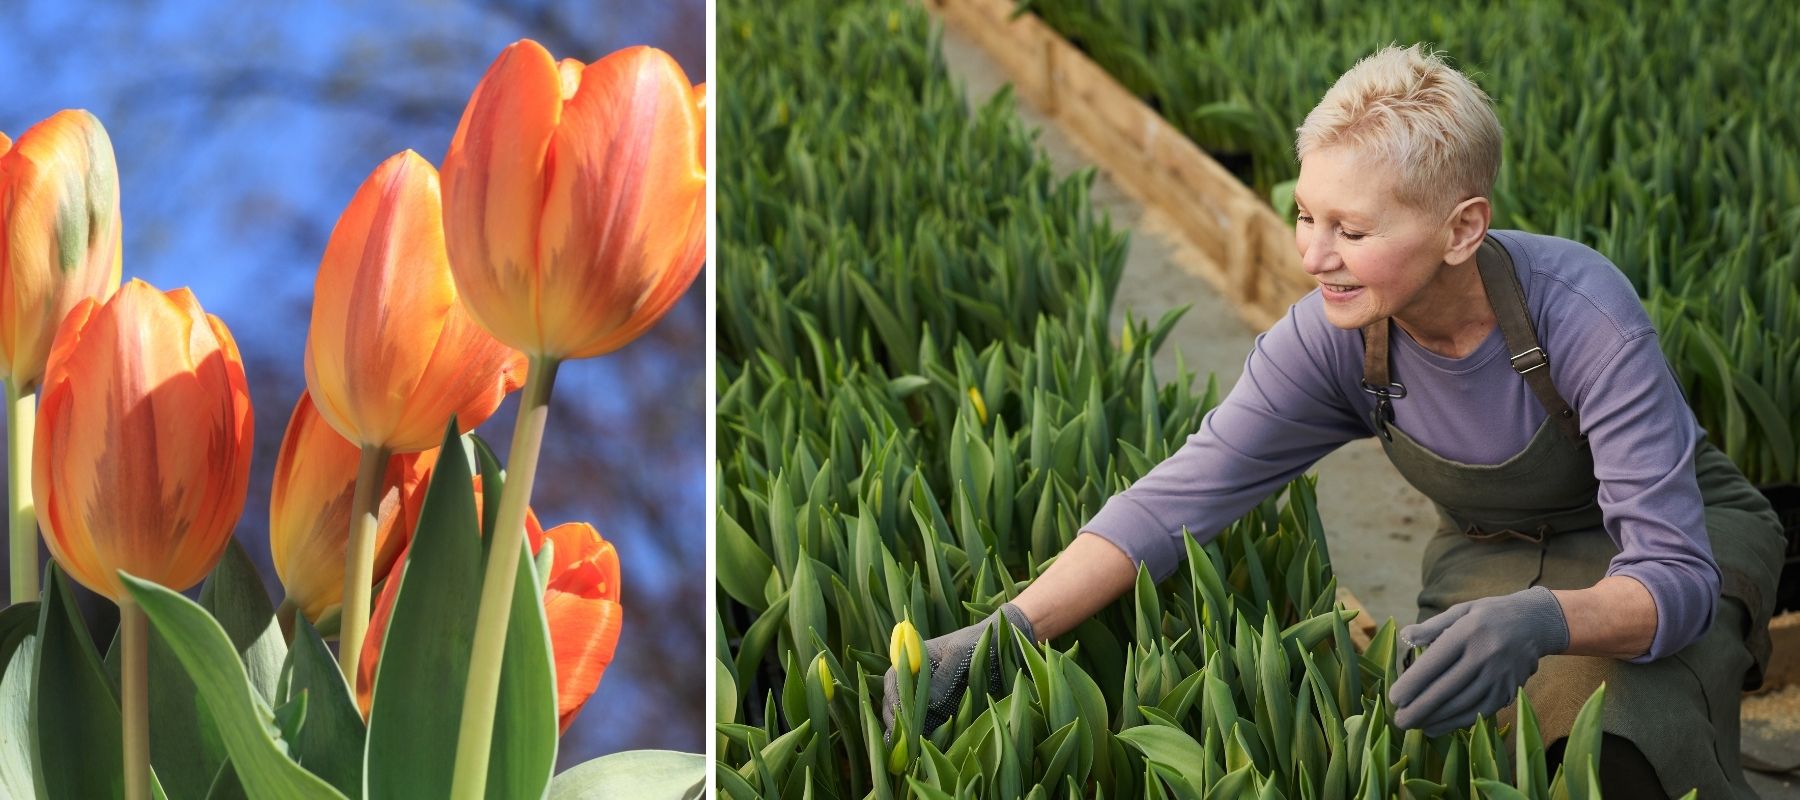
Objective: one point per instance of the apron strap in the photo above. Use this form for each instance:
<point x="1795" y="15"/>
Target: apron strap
<point x="1528" y="357"/>
<point x="1507" y="298"/>
<point x="1375" y="376"/>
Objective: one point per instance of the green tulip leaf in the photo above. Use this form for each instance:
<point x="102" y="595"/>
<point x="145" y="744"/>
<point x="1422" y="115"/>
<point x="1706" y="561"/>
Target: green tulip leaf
<point x="18" y="652"/>
<point x="417" y="709"/>
<point x="74" y="711"/>
<point x="245" y="720"/>
<point x="234" y="595"/>
<point x="330" y="744"/>
<point x="634" y="773"/>
<point x="1170" y="747"/>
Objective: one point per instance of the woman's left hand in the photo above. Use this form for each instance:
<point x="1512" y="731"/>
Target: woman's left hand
<point x="1480" y="653"/>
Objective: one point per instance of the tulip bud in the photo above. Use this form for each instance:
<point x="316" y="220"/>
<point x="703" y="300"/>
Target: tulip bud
<point x="59" y="234"/>
<point x="575" y="198"/>
<point x="822" y="673"/>
<point x="309" y="509"/>
<point x="898" y="757"/>
<point x="143" y="440"/>
<point x="391" y="354"/>
<point x="905" y="647"/>
<point x="980" y="407"/>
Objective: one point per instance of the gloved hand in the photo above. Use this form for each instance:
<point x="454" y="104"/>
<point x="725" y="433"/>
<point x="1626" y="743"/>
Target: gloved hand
<point x="1480" y="653"/>
<point x="950" y="655"/>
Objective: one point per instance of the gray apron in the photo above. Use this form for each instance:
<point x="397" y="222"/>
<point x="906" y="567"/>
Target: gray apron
<point x="1535" y="520"/>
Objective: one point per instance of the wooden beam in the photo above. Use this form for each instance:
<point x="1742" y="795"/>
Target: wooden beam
<point x="1250" y="249"/>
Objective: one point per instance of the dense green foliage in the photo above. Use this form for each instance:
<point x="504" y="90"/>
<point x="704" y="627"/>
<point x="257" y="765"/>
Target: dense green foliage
<point x="920" y="401"/>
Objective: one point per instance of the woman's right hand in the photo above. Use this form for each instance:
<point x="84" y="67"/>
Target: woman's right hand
<point x="950" y="656"/>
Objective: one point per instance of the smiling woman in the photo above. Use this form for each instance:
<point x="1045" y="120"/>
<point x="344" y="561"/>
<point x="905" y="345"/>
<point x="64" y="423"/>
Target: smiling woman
<point x="1589" y="533"/>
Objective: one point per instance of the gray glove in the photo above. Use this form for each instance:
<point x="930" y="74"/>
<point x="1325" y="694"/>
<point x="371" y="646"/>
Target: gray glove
<point x="950" y="655"/>
<point x="1480" y="653"/>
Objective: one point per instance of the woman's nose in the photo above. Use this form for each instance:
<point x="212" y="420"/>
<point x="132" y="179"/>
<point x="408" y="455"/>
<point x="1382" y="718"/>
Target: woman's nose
<point x="1316" y="254"/>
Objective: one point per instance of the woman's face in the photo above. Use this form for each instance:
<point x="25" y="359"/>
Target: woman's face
<point x="1372" y="254"/>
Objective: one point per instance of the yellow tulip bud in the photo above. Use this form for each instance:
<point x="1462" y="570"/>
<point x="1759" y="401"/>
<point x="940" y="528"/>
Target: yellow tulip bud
<point x="980" y="407"/>
<point x="905" y="647"/>
<point x="826" y="685"/>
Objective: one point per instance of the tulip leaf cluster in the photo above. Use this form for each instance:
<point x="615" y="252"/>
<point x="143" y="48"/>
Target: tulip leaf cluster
<point x="921" y="399"/>
<point x="1656" y="134"/>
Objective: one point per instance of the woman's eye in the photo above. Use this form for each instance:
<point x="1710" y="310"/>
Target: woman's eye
<point x="1303" y="219"/>
<point x="1354" y="237"/>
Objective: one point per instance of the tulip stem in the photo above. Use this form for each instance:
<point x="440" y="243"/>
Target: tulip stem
<point x="134" y="701"/>
<point x="359" y="556"/>
<point x="21" y="426"/>
<point x="474" y="739"/>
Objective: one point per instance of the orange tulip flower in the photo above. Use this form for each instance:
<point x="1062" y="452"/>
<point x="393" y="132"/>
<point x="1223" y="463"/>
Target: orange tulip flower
<point x="581" y="606"/>
<point x="309" y="509"/>
<point x="143" y="440"/>
<point x="59" y="234"/>
<point x="391" y="354"/>
<point x="575" y="198"/>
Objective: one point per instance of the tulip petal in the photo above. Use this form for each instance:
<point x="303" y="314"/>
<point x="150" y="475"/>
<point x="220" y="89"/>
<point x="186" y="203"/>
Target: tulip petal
<point x="494" y="179"/>
<point x="581" y="607"/>
<point x="616" y="247"/>
<point x="700" y="104"/>
<point x="144" y="440"/>
<point x="309" y="510"/>
<point x="59" y="233"/>
<point x="379" y="303"/>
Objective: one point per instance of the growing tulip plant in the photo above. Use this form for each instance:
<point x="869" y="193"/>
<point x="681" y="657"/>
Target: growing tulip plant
<point x="570" y="217"/>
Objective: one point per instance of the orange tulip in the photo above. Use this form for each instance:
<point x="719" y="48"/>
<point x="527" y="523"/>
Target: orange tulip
<point x="575" y="198"/>
<point x="581" y="605"/>
<point x="143" y="440"/>
<point x="309" y="509"/>
<point x="59" y="234"/>
<point x="391" y="354"/>
<point x="412" y="502"/>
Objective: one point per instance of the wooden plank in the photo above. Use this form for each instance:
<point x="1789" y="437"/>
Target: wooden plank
<point x="1254" y="263"/>
<point x="1784" y="665"/>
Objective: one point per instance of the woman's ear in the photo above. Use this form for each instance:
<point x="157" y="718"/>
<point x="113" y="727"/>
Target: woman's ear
<point x="1468" y="226"/>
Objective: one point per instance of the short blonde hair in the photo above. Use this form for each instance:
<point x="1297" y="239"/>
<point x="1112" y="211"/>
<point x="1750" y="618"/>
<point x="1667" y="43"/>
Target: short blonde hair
<point x="1407" y="108"/>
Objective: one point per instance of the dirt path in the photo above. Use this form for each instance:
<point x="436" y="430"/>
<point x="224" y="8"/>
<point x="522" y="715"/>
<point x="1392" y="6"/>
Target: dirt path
<point x="1376" y="524"/>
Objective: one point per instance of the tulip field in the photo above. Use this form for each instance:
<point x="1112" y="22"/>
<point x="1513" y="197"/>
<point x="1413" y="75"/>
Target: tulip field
<point x="1644" y="131"/>
<point x="467" y="636"/>
<point x="920" y="400"/>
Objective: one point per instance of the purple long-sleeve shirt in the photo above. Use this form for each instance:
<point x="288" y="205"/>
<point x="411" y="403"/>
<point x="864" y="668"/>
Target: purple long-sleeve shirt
<point x="1299" y="399"/>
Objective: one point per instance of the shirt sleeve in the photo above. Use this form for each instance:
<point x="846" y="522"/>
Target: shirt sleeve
<point x="1644" y="439"/>
<point x="1285" y="413"/>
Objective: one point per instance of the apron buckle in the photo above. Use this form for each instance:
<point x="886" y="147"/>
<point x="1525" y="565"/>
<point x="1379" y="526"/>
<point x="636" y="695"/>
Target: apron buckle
<point x="1394" y="390"/>
<point x="1536" y="536"/>
<point x="1384" y="406"/>
<point x="1535" y="358"/>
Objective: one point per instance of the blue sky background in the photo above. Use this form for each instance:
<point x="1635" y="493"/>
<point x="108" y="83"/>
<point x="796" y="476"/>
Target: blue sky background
<point x="242" y="130"/>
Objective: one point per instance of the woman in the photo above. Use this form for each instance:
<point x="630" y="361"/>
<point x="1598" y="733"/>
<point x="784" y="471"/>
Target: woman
<point x="1588" y="531"/>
